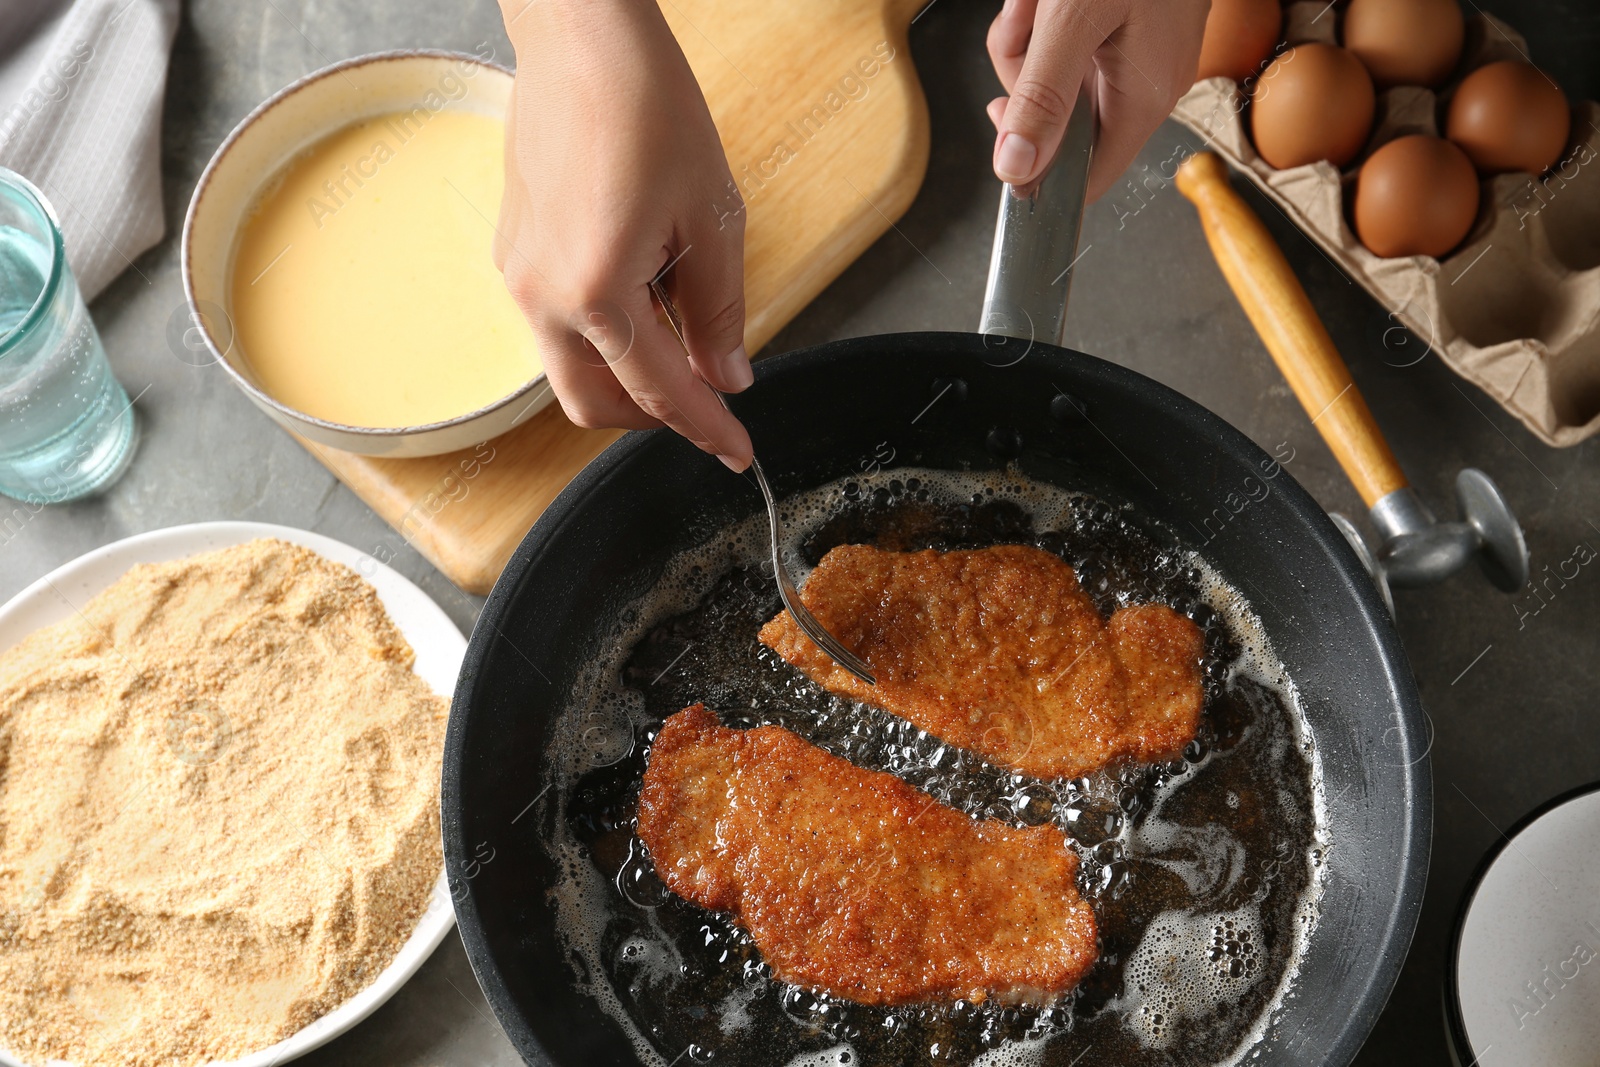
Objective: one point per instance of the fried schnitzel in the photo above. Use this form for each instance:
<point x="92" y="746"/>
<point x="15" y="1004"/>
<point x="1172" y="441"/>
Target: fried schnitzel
<point x="999" y="651"/>
<point x="854" y="883"/>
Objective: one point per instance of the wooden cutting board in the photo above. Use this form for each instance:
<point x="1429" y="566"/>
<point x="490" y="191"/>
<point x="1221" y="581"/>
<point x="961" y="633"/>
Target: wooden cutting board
<point x="826" y="132"/>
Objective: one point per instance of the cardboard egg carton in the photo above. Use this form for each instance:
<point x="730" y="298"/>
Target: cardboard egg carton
<point x="1516" y="308"/>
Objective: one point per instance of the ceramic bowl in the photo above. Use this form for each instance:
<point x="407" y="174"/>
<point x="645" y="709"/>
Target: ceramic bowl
<point x="255" y="153"/>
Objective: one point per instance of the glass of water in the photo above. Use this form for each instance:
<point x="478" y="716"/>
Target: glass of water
<point x="66" y="427"/>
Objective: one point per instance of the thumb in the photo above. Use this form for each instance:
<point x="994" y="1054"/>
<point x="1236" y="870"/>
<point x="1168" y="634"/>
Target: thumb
<point x="1043" y="95"/>
<point x="708" y="286"/>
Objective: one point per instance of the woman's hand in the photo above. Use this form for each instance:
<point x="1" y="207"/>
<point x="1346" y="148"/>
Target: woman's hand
<point x="613" y="171"/>
<point x="1135" y="57"/>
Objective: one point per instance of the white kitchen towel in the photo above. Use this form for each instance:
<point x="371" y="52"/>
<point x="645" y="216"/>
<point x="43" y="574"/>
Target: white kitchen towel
<point x="81" y="86"/>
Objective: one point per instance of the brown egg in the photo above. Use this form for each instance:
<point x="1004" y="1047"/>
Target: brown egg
<point x="1239" y="38"/>
<point x="1405" y="42"/>
<point x="1415" y="196"/>
<point x="1510" y="116"/>
<point x="1314" y="102"/>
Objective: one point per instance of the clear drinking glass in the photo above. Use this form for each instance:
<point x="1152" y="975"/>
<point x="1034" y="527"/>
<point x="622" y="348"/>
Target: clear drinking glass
<point x="66" y="427"/>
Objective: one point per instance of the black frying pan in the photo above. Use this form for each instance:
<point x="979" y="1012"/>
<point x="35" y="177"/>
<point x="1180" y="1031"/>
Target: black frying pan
<point x="1063" y="418"/>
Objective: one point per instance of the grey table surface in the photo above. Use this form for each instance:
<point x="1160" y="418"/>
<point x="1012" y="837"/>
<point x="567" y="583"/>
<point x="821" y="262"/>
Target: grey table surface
<point x="1510" y="697"/>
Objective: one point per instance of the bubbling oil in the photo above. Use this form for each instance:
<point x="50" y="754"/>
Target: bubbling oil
<point x="1201" y="871"/>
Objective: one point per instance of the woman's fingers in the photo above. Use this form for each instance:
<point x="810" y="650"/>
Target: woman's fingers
<point x="586" y="216"/>
<point x="707" y="285"/>
<point x="1142" y="71"/>
<point x="1126" y="122"/>
<point x="1136" y="57"/>
<point x="1008" y="39"/>
<point x="657" y="375"/>
<point x="505" y="230"/>
<point x="1058" y="52"/>
<point x="589" y="393"/>
<point x="615" y="363"/>
<point x="996" y="111"/>
<point x="612" y="364"/>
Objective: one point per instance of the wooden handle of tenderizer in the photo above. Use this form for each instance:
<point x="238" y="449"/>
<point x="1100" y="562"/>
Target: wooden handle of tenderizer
<point x="1282" y="314"/>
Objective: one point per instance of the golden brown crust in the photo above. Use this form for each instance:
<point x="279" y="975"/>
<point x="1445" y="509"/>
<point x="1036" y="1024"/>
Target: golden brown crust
<point x="853" y="882"/>
<point x="998" y="650"/>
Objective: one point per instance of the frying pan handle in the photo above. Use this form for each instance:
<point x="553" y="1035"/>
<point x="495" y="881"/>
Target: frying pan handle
<point x="1036" y="241"/>
<point x="1282" y="314"/>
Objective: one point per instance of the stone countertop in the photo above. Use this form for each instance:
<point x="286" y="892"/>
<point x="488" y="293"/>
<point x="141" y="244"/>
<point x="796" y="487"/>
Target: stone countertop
<point x="1510" y="694"/>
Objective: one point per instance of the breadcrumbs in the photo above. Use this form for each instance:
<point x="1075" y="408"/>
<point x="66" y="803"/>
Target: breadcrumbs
<point x="218" y="810"/>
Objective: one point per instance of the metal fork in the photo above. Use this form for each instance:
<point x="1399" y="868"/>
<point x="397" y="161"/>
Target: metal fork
<point x="786" y="588"/>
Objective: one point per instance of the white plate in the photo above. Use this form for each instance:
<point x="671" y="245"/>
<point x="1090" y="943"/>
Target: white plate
<point x="1527" y="933"/>
<point x="439" y="647"/>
